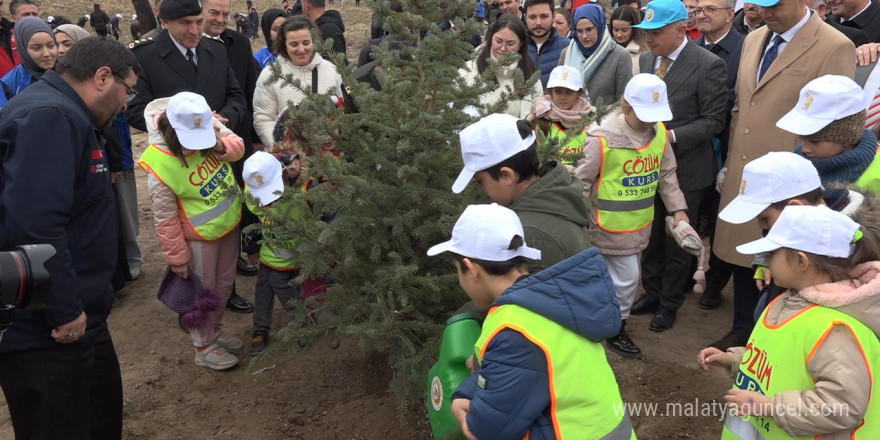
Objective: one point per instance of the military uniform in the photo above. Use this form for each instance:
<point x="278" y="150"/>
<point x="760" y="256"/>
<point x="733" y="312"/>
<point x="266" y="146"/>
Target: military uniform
<point x="166" y="72"/>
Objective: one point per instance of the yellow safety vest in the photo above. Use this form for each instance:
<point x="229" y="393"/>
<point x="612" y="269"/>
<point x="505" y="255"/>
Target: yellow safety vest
<point x="585" y="401"/>
<point x="776" y="360"/>
<point x="870" y="179"/>
<point x="575" y="145"/>
<point x="276" y="258"/>
<point x="211" y="211"/>
<point x="627" y="184"/>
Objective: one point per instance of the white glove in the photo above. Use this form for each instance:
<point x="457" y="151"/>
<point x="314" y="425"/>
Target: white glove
<point x="719" y="181"/>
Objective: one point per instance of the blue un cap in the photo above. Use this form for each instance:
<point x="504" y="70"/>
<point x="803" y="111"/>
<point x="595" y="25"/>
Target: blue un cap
<point x="659" y="13"/>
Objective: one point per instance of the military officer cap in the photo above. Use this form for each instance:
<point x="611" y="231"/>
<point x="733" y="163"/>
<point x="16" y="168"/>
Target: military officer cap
<point x="171" y="9"/>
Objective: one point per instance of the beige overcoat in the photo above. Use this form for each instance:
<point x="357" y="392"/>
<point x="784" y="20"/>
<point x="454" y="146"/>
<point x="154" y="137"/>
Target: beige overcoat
<point x="816" y="50"/>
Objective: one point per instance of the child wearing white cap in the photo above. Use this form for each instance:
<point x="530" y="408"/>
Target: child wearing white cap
<point x="627" y="160"/>
<point x="265" y="182"/>
<point x="830" y="118"/>
<point x="562" y="108"/>
<point x="808" y="368"/>
<point x="196" y="218"/>
<point x="769" y="184"/>
<point x="500" y="155"/>
<point x="551" y="321"/>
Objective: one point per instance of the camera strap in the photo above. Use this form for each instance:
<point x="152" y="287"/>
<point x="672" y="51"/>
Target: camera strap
<point x="7" y="313"/>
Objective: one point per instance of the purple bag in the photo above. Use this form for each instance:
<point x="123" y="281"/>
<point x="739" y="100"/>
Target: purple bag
<point x="188" y="298"/>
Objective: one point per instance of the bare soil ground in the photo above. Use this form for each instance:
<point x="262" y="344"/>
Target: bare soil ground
<point x="335" y="394"/>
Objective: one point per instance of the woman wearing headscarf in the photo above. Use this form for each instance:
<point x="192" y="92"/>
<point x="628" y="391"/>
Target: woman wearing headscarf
<point x="38" y="53"/>
<point x="271" y="22"/>
<point x="604" y="64"/>
<point x="66" y="35"/>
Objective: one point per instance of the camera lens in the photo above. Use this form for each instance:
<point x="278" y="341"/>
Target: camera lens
<point x="23" y="277"/>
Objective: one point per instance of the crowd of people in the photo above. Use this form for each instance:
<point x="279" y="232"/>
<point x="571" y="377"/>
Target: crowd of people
<point x="731" y="125"/>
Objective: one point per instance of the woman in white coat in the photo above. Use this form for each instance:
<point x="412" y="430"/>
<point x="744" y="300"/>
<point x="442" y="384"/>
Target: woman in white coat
<point x="297" y="57"/>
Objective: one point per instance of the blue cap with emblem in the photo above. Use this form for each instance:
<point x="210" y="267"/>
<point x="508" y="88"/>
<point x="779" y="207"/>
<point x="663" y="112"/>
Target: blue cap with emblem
<point x="660" y="13"/>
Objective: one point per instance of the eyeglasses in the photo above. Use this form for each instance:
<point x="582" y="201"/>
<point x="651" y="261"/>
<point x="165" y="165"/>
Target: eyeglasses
<point x="709" y="10"/>
<point x="130" y="93"/>
<point x="585" y="31"/>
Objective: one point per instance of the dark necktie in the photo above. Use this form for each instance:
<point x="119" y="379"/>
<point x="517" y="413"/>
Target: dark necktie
<point x="713" y="48"/>
<point x="770" y="56"/>
<point x="189" y="57"/>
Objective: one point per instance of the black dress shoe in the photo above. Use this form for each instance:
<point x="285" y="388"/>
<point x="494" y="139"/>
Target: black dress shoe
<point x="238" y="304"/>
<point x="710" y="300"/>
<point x="644" y="305"/>
<point x="623" y="345"/>
<point x="663" y="320"/>
<point x="245" y="268"/>
<point x="730" y="340"/>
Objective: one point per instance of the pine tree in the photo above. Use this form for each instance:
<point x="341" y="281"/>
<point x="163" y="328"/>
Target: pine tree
<point x="389" y="194"/>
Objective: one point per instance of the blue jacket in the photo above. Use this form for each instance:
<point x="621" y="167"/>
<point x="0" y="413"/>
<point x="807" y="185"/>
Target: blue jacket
<point x="548" y="57"/>
<point x="264" y="57"/>
<point x="55" y="188"/>
<point x="14" y="82"/>
<point x="578" y="294"/>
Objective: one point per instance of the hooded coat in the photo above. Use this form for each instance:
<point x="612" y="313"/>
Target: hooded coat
<point x="555" y="216"/>
<point x="331" y="26"/>
<point x="577" y="294"/>
<point x="837" y="364"/>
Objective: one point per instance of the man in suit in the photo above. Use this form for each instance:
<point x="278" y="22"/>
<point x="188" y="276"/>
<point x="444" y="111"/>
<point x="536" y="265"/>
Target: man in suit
<point x="715" y="21"/>
<point x="778" y="59"/>
<point x="860" y="14"/>
<point x="238" y="49"/>
<point x="180" y="59"/>
<point x="695" y="80"/>
<point x="856" y="35"/>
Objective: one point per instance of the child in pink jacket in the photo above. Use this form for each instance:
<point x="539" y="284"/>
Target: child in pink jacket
<point x="196" y="218"/>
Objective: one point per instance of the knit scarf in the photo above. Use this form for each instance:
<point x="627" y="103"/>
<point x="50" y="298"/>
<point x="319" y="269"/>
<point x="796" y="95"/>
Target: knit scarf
<point x="848" y="166"/>
<point x="575" y="58"/>
<point x="568" y="118"/>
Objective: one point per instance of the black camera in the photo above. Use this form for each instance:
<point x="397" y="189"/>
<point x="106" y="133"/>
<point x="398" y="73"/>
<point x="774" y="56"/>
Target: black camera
<point x="23" y="279"/>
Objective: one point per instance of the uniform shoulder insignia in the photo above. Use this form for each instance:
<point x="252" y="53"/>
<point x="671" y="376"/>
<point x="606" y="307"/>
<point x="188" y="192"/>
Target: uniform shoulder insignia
<point x="137" y="43"/>
<point x="217" y="39"/>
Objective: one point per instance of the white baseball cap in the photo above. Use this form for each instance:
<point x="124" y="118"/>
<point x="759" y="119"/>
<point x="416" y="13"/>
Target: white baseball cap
<point x="818" y="230"/>
<point x="821" y="102"/>
<point x="646" y="94"/>
<point x="566" y="77"/>
<point x="262" y="177"/>
<point x="190" y="116"/>
<point x="487" y="143"/>
<point x="484" y="232"/>
<point x="771" y="178"/>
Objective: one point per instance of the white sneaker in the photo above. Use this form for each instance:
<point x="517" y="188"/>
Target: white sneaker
<point x="215" y="358"/>
<point x="135" y="272"/>
<point x="230" y="343"/>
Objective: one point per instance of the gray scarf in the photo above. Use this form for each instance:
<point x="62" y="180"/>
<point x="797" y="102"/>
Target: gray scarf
<point x="26" y="28"/>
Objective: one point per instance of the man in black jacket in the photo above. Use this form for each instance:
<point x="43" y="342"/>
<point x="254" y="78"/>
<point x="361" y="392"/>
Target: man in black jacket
<point x="58" y="368"/>
<point x="328" y="22"/>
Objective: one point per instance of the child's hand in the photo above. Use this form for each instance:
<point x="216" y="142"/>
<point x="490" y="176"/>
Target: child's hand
<point x="253" y="258"/>
<point x="680" y="216"/>
<point x="765" y="278"/>
<point x="748" y="403"/>
<point x="471" y="363"/>
<point x="460" y="410"/>
<point x="714" y="357"/>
